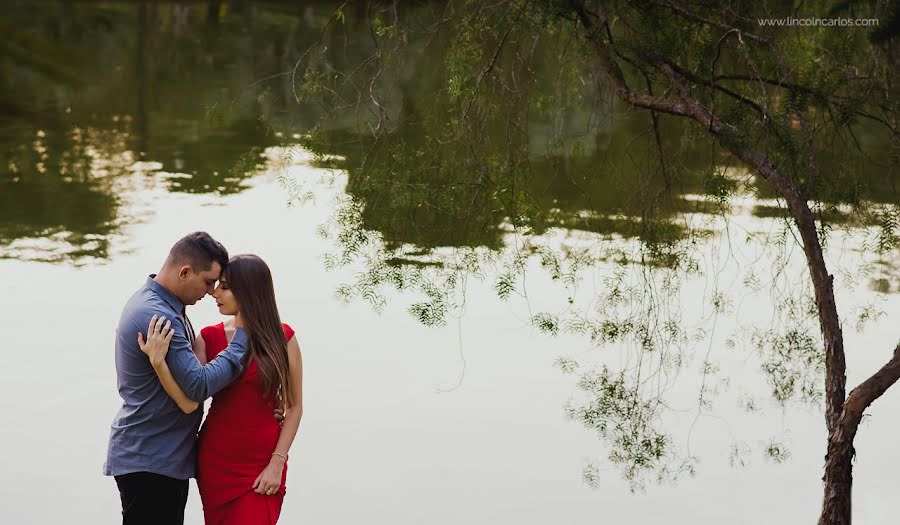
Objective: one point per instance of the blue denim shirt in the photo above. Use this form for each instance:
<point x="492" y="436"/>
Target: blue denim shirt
<point x="150" y="433"/>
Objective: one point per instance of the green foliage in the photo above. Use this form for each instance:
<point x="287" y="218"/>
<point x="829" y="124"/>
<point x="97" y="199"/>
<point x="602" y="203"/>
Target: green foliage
<point x="430" y="313"/>
<point x="546" y="323"/>
<point x="888" y="224"/>
<point x="566" y="365"/>
<point x="739" y="455"/>
<point x="793" y="361"/>
<point x="248" y="162"/>
<point x="719" y="187"/>
<point x="776" y="451"/>
<point x="867" y="314"/>
<point x="618" y="411"/>
<point x="468" y="163"/>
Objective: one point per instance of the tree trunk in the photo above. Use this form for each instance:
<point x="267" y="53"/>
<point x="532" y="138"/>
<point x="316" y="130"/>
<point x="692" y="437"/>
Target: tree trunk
<point x="838" y="480"/>
<point x="839" y="460"/>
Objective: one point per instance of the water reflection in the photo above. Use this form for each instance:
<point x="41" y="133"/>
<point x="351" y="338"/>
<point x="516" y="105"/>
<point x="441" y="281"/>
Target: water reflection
<point x="199" y="91"/>
<point x="90" y="90"/>
<point x="58" y="192"/>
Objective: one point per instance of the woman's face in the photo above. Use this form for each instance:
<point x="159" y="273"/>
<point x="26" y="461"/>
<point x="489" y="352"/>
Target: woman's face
<point x="224" y="298"/>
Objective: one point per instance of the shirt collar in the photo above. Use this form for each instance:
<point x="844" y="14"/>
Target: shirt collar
<point x="167" y="296"/>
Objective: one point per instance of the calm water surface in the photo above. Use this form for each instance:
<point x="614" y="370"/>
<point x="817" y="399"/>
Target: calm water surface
<point x="124" y="127"/>
<point x="380" y="440"/>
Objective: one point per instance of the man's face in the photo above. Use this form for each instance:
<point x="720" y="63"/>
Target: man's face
<point x="195" y="285"/>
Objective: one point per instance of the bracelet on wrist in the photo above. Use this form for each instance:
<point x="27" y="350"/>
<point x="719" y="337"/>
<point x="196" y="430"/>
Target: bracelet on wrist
<point x="282" y="456"/>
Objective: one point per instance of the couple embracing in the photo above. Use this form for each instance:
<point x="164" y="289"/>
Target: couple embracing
<point x="249" y="364"/>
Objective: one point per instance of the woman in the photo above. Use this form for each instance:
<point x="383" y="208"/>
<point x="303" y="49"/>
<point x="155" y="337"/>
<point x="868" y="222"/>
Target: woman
<point x="242" y="463"/>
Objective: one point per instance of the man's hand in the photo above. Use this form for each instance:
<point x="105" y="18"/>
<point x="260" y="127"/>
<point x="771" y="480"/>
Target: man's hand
<point x="159" y="335"/>
<point x="279" y="415"/>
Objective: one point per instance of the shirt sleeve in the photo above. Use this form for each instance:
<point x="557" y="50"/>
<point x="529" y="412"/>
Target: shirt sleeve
<point x="202" y="381"/>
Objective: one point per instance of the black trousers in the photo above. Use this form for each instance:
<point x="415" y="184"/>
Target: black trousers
<point x="149" y="498"/>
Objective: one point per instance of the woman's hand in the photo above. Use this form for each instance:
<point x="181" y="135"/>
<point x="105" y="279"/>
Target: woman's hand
<point x="269" y="480"/>
<point x="159" y="335"/>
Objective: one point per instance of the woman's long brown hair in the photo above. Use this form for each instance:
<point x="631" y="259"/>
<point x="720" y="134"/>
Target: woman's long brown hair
<point x="250" y="281"/>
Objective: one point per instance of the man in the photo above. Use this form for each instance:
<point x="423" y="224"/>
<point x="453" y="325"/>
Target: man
<point x="152" y="442"/>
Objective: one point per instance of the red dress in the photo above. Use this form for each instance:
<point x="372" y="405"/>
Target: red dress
<point x="236" y="443"/>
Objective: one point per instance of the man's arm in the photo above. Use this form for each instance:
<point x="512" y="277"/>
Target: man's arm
<point x="202" y="381"/>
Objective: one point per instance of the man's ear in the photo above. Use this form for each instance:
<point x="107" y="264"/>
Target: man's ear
<point x="184" y="272"/>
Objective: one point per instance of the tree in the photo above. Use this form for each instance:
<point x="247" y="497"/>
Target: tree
<point x="786" y="103"/>
<point x="843" y="413"/>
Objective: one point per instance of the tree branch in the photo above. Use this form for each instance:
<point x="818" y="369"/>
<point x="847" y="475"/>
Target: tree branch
<point x="697" y="18"/>
<point x="805" y="89"/>
<point x="869" y="390"/>
<point x="485" y="71"/>
<point x="316" y="44"/>
<point x="718" y="87"/>
<point x="688" y="106"/>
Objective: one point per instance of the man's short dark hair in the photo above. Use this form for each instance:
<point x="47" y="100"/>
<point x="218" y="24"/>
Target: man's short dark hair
<point x="199" y="250"/>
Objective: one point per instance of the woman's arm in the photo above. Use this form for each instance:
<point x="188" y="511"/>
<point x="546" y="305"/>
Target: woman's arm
<point x="270" y="479"/>
<point x="159" y="335"/>
<point x="186" y="404"/>
<point x="291" y="423"/>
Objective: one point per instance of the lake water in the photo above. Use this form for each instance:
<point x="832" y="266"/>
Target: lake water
<point x="403" y="423"/>
<point x="379" y="440"/>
